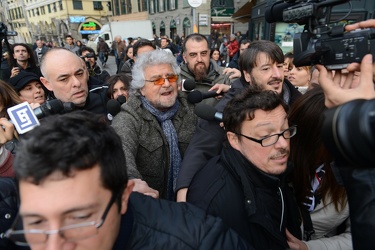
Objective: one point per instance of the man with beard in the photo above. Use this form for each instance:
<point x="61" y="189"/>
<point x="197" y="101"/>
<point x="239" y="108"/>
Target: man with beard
<point x="262" y="68"/>
<point x="199" y="67"/>
<point x="246" y="184"/>
<point x="156" y="124"/>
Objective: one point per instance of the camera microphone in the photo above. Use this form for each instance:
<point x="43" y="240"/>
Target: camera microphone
<point x="121" y="99"/>
<point x="197" y="96"/>
<point x="25" y="118"/>
<point x="113" y="108"/>
<point x="52" y="107"/>
<point x="274" y="13"/>
<point x="208" y="112"/>
<point x="188" y="85"/>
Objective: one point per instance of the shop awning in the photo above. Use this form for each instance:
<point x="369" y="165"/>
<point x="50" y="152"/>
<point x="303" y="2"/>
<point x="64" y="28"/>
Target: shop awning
<point x="243" y="14"/>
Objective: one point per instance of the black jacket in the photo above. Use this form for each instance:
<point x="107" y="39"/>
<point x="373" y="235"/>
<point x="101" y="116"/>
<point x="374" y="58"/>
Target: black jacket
<point x="256" y="205"/>
<point x="207" y="141"/>
<point x="360" y="189"/>
<point x="8" y="209"/>
<point x="96" y="101"/>
<point x="159" y="224"/>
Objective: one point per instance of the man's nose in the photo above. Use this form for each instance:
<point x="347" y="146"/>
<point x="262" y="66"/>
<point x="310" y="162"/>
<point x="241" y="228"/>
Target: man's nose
<point x="282" y="142"/>
<point x="54" y="242"/>
<point x="276" y="72"/>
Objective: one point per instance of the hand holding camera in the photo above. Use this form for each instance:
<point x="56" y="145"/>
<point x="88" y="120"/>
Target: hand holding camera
<point x="337" y="94"/>
<point x="15" y="71"/>
<point x="6" y="131"/>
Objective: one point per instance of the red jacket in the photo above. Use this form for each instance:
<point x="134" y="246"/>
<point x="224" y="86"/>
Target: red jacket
<point x="232" y="48"/>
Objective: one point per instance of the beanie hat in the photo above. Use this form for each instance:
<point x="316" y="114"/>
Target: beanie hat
<point x="19" y="81"/>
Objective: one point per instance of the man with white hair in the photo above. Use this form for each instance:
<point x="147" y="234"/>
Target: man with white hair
<point x="156" y="124"/>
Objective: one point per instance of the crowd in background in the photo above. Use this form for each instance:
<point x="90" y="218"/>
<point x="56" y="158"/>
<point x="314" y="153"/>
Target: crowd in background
<point x="262" y="168"/>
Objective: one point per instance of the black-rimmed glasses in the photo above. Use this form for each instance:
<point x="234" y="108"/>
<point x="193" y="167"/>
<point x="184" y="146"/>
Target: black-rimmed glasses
<point x="272" y="139"/>
<point x="73" y="232"/>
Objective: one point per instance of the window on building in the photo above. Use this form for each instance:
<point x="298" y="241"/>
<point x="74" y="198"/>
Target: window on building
<point x="19" y="12"/>
<point x="49" y="8"/>
<point x="61" y="5"/>
<point x="117" y="8"/>
<point x="54" y="7"/>
<point x="185" y="4"/>
<point x="128" y="6"/>
<point x="109" y="5"/>
<point x="152" y="7"/>
<point x="97" y="5"/>
<point x="172" y="4"/>
<point x="123" y="7"/>
<point x="161" y="6"/>
<point x="33" y="12"/>
<point x="77" y="5"/>
<point x="42" y="10"/>
<point x="29" y="13"/>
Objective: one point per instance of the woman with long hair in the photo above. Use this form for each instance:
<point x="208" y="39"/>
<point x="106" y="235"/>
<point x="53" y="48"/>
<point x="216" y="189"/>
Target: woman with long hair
<point x="215" y="55"/>
<point x="323" y="202"/>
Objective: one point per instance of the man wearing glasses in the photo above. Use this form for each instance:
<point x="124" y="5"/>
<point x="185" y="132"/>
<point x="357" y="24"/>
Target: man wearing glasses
<point x="156" y="124"/>
<point x="245" y="185"/>
<point x="262" y="68"/>
<point x="199" y="67"/>
<point x="75" y="194"/>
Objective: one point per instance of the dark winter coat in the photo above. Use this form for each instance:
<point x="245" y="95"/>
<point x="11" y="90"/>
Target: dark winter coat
<point x="256" y="205"/>
<point x="158" y="224"/>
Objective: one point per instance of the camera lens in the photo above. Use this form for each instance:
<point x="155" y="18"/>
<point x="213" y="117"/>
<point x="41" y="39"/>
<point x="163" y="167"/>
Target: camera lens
<point x="349" y="132"/>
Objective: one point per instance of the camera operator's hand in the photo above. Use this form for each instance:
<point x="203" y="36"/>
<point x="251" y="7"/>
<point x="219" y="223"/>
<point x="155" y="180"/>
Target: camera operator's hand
<point x="337" y="94"/>
<point x="361" y="25"/>
<point x="6" y="131"/>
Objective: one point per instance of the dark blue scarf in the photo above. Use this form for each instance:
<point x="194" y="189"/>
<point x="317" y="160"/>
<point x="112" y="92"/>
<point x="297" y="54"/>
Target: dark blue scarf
<point x="165" y="119"/>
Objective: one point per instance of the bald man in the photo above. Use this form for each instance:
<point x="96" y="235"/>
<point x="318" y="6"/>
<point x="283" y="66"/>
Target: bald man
<point x="66" y="77"/>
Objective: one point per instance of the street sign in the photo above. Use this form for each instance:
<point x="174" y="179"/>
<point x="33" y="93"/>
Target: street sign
<point x="195" y="3"/>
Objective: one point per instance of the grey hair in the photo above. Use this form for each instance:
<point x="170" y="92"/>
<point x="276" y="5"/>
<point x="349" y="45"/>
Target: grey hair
<point x="148" y="59"/>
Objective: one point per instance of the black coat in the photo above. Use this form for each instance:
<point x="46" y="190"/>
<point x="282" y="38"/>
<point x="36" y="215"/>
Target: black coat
<point x="256" y="205"/>
<point x="207" y="141"/>
<point x="8" y="209"/>
<point x="160" y="224"/>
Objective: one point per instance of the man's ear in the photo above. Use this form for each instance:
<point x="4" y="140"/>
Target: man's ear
<point x="247" y="76"/>
<point x="125" y="196"/>
<point x="184" y="57"/>
<point x="233" y="140"/>
<point x="46" y="83"/>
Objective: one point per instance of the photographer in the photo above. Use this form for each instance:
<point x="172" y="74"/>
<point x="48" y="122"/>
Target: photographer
<point x="358" y="178"/>
<point x="88" y="54"/>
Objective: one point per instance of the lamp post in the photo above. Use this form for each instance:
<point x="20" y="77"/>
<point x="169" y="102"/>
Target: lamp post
<point x="195" y="4"/>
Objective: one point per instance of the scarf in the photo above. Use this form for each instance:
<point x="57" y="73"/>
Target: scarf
<point x="165" y="120"/>
<point x="314" y="198"/>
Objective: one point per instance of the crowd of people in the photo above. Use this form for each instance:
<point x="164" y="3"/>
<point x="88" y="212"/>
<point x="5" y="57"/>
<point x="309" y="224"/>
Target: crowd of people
<point x="155" y="175"/>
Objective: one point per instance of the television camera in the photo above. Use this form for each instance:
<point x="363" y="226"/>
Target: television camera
<point x="321" y="43"/>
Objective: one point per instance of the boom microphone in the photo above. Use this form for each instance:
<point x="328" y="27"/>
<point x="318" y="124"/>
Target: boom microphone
<point x="208" y="112"/>
<point x="197" y="96"/>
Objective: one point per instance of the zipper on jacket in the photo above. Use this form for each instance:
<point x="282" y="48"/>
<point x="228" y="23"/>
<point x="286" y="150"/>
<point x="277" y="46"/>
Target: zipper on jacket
<point x="282" y="208"/>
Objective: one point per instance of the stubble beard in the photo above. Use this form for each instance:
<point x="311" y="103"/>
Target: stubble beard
<point x="257" y="86"/>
